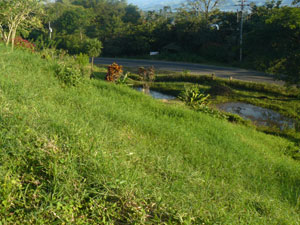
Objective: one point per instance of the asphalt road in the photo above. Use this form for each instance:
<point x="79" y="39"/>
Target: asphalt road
<point x="223" y="72"/>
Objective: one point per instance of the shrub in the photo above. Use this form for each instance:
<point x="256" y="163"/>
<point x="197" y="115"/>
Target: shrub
<point x="68" y="73"/>
<point x="193" y="96"/>
<point x="45" y="43"/>
<point x="114" y="72"/>
<point x="147" y="74"/>
<point x="82" y="59"/>
<point x="24" y="44"/>
<point x="69" y="69"/>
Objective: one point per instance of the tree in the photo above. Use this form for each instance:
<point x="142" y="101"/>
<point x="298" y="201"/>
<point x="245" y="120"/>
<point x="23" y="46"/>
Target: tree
<point x="296" y="2"/>
<point x="18" y="15"/>
<point x="132" y="14"/>
<point x="93" y="48"/>
<point x="272" y="41"/>
<point x="204" y="7"/>
<point x="108" y="22"/>
<point x="73" y="20"/>
<point x="288" y="19"/>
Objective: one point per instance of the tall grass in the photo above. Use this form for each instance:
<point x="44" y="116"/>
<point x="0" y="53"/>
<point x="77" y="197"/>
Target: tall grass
<point x="104" y="154"/>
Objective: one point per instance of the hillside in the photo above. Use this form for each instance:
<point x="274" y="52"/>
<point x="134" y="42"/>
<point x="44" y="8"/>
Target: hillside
<point x="100" y="153"/>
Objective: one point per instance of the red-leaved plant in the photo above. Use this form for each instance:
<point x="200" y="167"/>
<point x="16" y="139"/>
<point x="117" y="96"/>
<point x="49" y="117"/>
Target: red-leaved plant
<point x="22" y="43"/>
<point x="114" y="72"/>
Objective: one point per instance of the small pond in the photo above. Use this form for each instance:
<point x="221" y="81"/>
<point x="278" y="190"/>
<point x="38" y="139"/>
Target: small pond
<point x="155" y="94"/>
<point x="260" y="116"/>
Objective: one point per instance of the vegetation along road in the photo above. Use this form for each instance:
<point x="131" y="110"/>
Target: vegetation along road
<point x="223" y="72"/>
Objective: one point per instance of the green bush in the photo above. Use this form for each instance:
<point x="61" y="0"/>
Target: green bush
<point x="69" y="69"/>
<point x="69" y="74"/>
<point x="123" y="79"/>
<point x="193" y="96"/>
<point x="82" y="59"/>
<point x="44" y="43"/>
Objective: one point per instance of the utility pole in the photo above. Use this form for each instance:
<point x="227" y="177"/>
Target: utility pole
<point x="50" y="31"/>
<point x="242" y="4"/>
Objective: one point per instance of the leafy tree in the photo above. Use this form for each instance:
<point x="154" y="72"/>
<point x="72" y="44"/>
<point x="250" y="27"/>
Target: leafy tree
<point x="272" y="40"/>
<point x="132" y="15"/>
<point x="108" y="21"/>
<point x="93" y="48"/>
<point x="296" y="2"/>
<point x="288" y="69"/>
<point x="288" y="20"/>
<point x="73" y="20"/>
<point x="18" y="15"/>
<point x="67" y="22"/>
<point x="271" y="32"/>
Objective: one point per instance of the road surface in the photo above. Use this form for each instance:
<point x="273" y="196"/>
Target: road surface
<point x="222" y="72"/>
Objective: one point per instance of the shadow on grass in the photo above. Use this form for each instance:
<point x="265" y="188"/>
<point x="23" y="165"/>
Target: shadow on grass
<point x="99" y="75"/>
<point x="288" y="136"/>
<point x="270" y="97"/>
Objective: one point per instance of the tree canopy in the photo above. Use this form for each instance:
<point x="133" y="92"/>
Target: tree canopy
<point x="271" y="31"/>
<point x="18" y="16"/>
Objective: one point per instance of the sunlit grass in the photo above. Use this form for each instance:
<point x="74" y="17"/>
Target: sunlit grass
<point x="105" y="154"/>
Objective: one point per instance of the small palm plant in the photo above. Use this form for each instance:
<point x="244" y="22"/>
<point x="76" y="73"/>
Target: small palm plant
<point x="193" y="96"/>
<point x="123" y="79"/>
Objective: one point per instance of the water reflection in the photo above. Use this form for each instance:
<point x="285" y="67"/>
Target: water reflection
<point x="260" y="116"/>
<point x="155" y="94"/>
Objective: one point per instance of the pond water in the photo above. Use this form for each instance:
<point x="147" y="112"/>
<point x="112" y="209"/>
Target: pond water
<point x="155" y="94"/>
<point x="260" y="116"/>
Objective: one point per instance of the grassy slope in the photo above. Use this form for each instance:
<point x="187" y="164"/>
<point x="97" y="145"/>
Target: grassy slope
<point x="281" y="99"/>
<point x="100" y="153"/>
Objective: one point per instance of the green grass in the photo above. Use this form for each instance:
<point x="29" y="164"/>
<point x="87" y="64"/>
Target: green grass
<point x="105" y="154"/>
<point x="284" y="100"/>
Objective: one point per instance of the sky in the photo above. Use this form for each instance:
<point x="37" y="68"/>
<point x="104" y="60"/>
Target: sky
<point x="157" y="4"/>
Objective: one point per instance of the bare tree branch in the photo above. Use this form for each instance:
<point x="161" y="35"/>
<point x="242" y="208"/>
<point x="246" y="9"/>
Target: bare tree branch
<point x="204" y="7"/>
